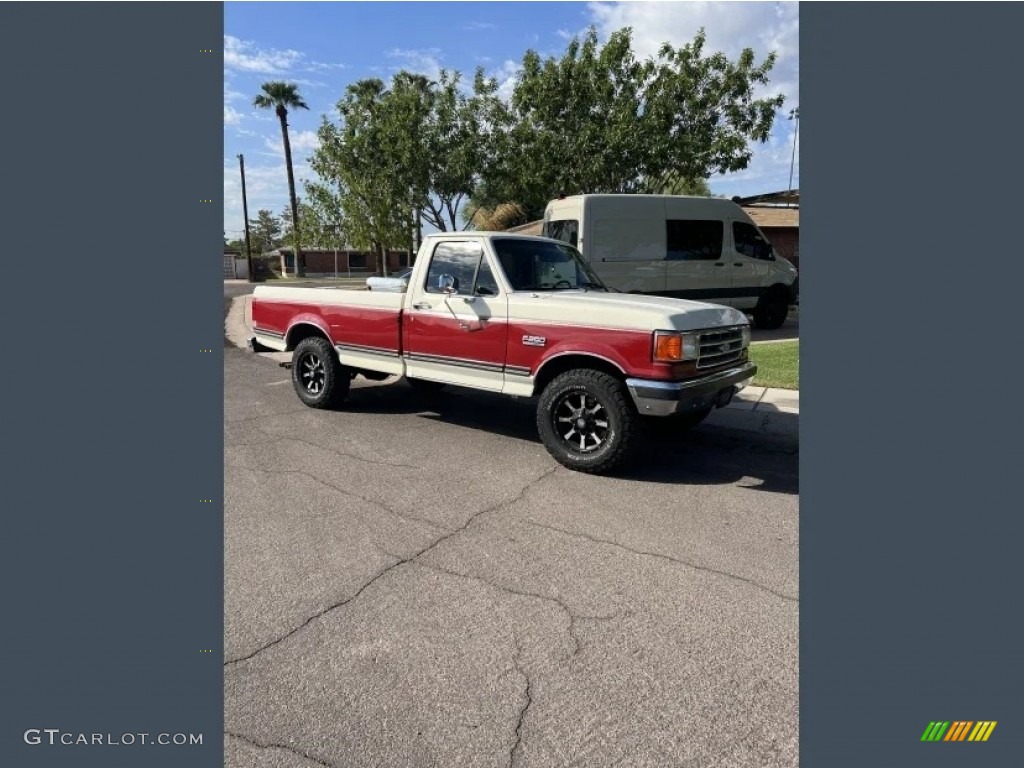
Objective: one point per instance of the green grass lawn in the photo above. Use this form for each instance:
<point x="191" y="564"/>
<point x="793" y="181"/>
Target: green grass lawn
<point x="778" y="364"/>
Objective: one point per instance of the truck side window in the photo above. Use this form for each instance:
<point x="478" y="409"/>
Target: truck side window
<point x="693" y="239"/>
<point x="459" y="260"/>
<point x="567" y="231"/>
<point x="749" y="241"/>
<point x="486" y="285"/>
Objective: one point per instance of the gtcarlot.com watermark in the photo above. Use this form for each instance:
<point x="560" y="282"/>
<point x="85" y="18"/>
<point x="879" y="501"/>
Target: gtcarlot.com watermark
<point x="55" y="737"/>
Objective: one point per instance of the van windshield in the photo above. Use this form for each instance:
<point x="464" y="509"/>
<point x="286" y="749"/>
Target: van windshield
<point x="536" y="265"/>
<point x="567" y="231"/>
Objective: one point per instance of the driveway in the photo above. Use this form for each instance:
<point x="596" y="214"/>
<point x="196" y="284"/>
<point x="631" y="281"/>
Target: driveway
<point x="416" y="582"/>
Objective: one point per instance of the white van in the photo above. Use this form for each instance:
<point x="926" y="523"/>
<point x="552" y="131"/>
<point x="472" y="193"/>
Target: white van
<point x="700" y="248"/>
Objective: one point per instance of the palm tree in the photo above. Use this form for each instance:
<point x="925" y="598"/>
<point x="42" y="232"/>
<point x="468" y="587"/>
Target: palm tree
<point x="281" y="97"/>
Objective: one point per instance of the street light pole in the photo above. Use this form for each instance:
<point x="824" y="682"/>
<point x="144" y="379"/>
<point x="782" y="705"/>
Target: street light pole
<point x="794" y="114"/>
<point x="245" y="214"/>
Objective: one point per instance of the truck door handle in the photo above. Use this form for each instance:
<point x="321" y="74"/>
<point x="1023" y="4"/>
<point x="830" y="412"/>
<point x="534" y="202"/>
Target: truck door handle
<point x="719" y="263"/>
<point x="737" y="263"/>
<point x="421" y="305"/>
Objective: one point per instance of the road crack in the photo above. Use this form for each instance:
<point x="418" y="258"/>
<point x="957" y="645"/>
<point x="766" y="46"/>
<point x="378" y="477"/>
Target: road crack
<point x="283" y="747"/>
<point x="528" y="694"/>
<point x="336" y="452"/>
<point x="380" y="574"/>
<point x="519" y="593"/>
<point x="687" y="563"/>
<point x="345" y="491"/>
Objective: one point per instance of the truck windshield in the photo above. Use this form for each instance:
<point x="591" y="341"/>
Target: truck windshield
<point x="535" y="265"/>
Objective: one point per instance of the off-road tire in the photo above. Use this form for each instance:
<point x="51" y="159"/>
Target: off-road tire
<point x="605" y="401"/>
<point x="319" y="378"/>
<point x="772" y="310"/>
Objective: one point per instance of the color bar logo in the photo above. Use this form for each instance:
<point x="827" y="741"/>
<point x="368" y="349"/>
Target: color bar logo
<point x="958" y="730"/>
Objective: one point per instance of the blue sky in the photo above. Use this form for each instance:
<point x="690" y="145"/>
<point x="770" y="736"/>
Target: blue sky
<point x="324" y="46"/>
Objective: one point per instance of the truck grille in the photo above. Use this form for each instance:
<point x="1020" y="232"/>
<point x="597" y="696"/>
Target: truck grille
<point x="719" y="347"/>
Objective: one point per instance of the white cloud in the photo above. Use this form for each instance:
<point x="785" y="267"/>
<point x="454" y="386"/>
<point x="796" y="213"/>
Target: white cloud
<point x="507" y="77"/>
<point x="231" y="116"/>
<point x="266" y="186"/>
<point x="424" y="61"/>
<point x="302" y="142"/>
<point x="244" y="56"/>
<point x="323" y="66"/>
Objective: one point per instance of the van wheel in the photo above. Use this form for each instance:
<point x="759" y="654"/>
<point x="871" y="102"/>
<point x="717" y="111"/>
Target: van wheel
<point x="320" y="380"/>
<point x="771" y="310"/>
<point x="586" y="421"/>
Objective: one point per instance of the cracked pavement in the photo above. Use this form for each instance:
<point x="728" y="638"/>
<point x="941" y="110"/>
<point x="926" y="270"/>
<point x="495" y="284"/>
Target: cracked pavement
<point x="414" y="582"/>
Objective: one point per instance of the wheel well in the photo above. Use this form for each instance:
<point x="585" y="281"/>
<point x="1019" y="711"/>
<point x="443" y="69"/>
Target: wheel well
<point x="560" y="365"/>
<point x="302" y="331"/>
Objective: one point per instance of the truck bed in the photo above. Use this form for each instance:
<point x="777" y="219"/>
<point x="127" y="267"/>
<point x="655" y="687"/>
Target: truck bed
<point x="365" y="322"/>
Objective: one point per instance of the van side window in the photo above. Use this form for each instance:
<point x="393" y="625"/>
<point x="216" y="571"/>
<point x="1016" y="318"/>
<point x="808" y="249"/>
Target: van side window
<point x="460" y="260"/>
<point x="749" y="241"/>
<point x="567" y="231"/>
<point x="692" y="239"/>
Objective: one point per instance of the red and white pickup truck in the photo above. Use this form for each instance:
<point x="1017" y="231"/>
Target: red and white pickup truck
<point x="523" y="316"/>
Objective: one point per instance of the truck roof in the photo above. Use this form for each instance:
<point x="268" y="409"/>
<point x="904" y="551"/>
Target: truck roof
<point x="482" y="235"/>
<point x="635" y="196"/>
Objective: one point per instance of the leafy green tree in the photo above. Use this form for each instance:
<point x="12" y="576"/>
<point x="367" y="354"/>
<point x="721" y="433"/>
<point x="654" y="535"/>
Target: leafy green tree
<point x="457" y="144"/>
<point x="264" y="232"/>
<point x="675" y="184"/>
<point x="281" y="97"/>
<point x="360" y="177"/>
<point x="597" y="120"/>
<point x="315" y="229"/>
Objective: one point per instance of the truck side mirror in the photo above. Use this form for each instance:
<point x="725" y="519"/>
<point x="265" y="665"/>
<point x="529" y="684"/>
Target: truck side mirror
<point x="448" y="284"/>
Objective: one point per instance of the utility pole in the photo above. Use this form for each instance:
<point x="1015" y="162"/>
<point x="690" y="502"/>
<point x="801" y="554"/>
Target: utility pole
<point x="794" y="114"/>
<point x="245" y="213"/>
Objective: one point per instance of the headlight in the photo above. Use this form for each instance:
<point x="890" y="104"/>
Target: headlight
<point x="673" y="347"/>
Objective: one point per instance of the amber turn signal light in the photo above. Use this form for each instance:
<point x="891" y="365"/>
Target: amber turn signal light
<point x="668" y="347"/>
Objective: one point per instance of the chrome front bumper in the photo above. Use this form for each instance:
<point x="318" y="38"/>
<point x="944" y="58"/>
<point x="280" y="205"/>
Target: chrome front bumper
<point x="664" y="398"/>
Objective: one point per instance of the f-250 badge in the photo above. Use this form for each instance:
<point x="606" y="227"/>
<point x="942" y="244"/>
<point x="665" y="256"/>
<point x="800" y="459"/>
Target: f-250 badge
<point x="534" y="341"/>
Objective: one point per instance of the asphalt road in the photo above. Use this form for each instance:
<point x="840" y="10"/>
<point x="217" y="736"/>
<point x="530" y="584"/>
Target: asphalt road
<point x="417" y="583"/>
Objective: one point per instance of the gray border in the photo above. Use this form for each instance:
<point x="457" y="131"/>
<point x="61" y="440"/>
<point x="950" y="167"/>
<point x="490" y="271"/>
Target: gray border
<point x="113" y="428"/>
<point x="911" y="448"/>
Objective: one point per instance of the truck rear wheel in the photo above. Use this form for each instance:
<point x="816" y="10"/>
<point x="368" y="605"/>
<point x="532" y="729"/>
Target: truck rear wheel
<point x="586" y="421"/>
<point x="320" y="380"/>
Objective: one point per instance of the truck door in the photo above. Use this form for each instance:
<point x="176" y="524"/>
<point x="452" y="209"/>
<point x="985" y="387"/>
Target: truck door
<point x="457" y="336"/>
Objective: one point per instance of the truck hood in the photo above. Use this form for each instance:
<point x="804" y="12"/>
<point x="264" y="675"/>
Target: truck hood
<point x="622" y="310"/>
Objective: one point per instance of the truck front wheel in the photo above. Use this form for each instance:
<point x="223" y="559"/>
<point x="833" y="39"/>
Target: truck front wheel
<point x="586" y="421"/>
<point x="320" y="380"/>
